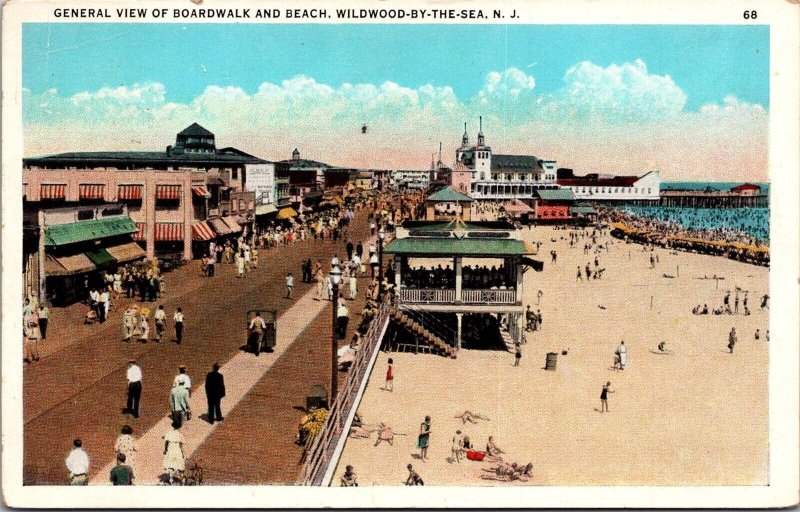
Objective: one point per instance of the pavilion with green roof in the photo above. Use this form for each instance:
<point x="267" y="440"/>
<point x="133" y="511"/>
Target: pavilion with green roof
<point x="462" y="252"/>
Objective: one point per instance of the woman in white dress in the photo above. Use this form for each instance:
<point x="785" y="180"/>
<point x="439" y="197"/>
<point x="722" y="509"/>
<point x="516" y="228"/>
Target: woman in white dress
<point x="174" y="455"/>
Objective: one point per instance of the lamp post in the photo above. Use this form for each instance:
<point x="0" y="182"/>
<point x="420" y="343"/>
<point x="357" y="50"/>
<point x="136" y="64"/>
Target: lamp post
<point x="335" y="277"/>
<point x="381" y="236"/>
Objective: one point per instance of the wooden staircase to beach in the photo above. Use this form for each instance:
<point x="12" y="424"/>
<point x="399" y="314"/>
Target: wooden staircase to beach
<point x="433" y="343"/>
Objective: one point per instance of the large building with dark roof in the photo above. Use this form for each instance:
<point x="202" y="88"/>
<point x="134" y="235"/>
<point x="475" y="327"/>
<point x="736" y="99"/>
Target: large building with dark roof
<point x="496" y="176"/>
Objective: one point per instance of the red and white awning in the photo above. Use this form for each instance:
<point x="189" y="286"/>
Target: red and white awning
<point x="169" y="232"/>
<point x="91" y="191"/>
<point x="53" y="191"/>
<point x="200" y="192"/>
<point x="129" y="192"/>
<point x="172" y="192"/>
<point x="139" y="236"/>
<point x="202" y="231"/>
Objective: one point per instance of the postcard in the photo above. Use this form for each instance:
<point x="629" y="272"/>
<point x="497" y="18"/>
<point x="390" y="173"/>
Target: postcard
<point x="373" y="254"/>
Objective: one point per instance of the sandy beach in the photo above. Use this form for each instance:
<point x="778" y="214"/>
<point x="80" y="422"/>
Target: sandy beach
<point x="696" y="417"/>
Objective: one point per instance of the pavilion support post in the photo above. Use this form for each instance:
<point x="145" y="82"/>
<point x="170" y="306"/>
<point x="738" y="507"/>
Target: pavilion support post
<point x="458" y="330"/>
<point x="457" y="266"/>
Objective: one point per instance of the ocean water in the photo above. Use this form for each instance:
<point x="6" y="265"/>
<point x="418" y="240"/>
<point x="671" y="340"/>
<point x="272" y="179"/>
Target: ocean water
<point x="753" y="222"/>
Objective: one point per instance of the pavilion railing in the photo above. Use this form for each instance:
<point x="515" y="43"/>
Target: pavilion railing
<point x="488" y="296"/>
<point x="321" y="454"/>
<point x="426" y="296"/>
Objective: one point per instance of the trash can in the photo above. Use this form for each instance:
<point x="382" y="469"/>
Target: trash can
<point x="550" y="362"/>
<point x="317" y="398"/>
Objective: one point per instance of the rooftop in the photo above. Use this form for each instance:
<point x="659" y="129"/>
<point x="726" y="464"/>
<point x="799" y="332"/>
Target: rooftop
<point x="138" y="159"/>
<point x="449" y="194"/>
<point x="515" y="163"/>
<point x="563" y="194"/>
<point x="489" y="247"/>
<point x="195" y="130"/>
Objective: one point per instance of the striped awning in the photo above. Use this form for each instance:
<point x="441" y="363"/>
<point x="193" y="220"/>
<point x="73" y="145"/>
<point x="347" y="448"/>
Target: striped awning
<point x="141" y="226"/>
<point x="53" y="191"/>
<point x="169" y="231"/>
<point x="126" y="252"/>
<point x="168" y="192"/>
<point x="220" y="226"/>
<point x="91" y="191"/>
<point x="128" y="192"/>
<point x="67" y="265"/>
<point x="232" y="223"/>
<point x="200" y="192"/>
<point x="202" y="231"/>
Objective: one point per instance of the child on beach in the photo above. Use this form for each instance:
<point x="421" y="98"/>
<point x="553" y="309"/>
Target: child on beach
<point x="389" y="386"/>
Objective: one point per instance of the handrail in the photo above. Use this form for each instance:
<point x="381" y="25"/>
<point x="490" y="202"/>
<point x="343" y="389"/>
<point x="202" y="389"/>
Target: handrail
<point x="322" y="449"/>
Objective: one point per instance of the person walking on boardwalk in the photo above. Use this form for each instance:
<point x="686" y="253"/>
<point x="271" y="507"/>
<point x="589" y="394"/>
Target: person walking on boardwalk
<point x="183" y="378"/>
<point x="732" y="339"/>
<point x="134" y="376"/>
<point x="289" y="285"/>
<point x="424" y="438"/>
<point x="604" y="397"/>
<point x="77" y="462"/>
<point x="126" y="445"/>
<point x="122" y="473"/>
<point x="44" y="317"/>
<point x="215" y="392"/>
<point x="178" y="319"/>
<point x="174" y="461"/>
<point x="179" y="403"/>
<point x="160" y="319"/>
<point x="257" y="327"/>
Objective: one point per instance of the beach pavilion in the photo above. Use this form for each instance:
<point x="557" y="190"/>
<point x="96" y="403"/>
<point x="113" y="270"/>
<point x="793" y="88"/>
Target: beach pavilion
<point x="465" y="275"/>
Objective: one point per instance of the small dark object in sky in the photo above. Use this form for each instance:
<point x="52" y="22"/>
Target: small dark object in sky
<point x="364" y="129"/>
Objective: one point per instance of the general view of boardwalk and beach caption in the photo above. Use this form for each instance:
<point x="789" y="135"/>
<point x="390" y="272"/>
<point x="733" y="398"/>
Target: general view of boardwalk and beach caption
<point x="203" y="316"/>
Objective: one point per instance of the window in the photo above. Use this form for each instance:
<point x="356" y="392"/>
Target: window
<point x="234" y="173"/>
<point x="85" y="214"/>
<point x="648" y="190"/>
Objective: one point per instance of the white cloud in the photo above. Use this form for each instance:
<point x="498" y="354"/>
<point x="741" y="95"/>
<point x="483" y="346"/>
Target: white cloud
<point x="510" y="84"/>
<point x="619" y="118"/>
<point x="626" y="92"/>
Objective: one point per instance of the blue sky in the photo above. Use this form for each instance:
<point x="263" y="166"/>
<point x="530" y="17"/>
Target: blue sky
<point x="690" y="101"/>
<point x="706" y="62"/>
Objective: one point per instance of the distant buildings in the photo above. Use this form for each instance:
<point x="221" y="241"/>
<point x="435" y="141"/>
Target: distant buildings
<point x="597" y="187"/>
<point x="411" y="179"/>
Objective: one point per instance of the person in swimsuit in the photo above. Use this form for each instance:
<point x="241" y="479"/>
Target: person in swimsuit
<point x="604" y="397"/>
<point x="424" y="437"/>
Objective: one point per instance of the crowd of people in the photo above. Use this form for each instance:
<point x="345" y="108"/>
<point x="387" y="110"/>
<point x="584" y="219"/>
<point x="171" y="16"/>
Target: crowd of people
<point x="651" y="227"/>
<point x="473" y="278"/>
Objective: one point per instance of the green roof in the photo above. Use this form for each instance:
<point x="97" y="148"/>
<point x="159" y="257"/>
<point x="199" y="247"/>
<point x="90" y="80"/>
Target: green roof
<point x="559" y="194"/>
<point x="449" y="194"/>
<point x="452" y="226"/>
<point x="100" y="257"/>
<point x="455" y="246"/>
<point x="62" y="234"/>
<point x="582" y="209"/>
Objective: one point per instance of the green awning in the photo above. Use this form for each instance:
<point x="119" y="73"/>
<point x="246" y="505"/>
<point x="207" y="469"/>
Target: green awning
<point x="100" y="257"/>
<point x="583" y="210"/>
<point x="63" y="234"/>
<point x="454" y="246"/>
<point x="448" y="194"/>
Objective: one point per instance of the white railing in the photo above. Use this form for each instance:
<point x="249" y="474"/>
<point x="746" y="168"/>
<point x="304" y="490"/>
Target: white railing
<point x="426" y="296"/>
<point x="321" y="458"/>
<point x="488" y="296"/>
